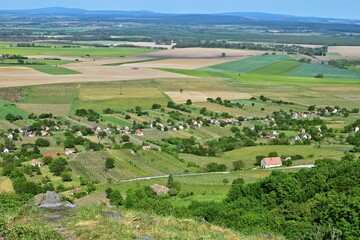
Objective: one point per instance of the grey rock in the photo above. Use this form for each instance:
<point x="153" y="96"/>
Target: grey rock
<point x="112" y="215"/>
<point x="51" y="200"/>
<point x="70" y="205"/>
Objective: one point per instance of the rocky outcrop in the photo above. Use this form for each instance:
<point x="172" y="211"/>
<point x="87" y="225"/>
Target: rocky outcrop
<point x="52" y="200"/>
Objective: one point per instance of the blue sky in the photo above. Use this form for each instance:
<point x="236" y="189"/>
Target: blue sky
<point x="318" y="8"/>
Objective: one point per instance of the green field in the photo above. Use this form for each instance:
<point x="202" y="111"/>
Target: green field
<point x="274" y="65"/>
<point x="278" y="68"/>
<point x="48" y="69"/>
<point x="8" y="108"/>
<point x="52" y="69"/>
<point x="37" y="61"/>
<point x="116" y="120"/>
<point x="44" y="94"/>
<point x="333" y="54"/>
<point x="248" y="64"/>
<point x="310" y="70"/>
<point x="82" y="51"/>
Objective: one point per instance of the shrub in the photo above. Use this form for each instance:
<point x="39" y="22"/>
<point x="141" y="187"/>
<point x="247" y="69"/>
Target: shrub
<point x="66" y="176"/>
<point x="109" y="163"/>
<point x="215" y="167"/>
<point x="57" y="166"/>
<point x="238" y="165"/>
<point x="41" y="142"/>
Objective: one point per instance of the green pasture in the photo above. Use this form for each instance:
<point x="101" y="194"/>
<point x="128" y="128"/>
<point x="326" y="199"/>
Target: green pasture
<point x="310" y="70"/>
<point x="36" y="61"/>
<point x="51" y="94"/>
<point x="278" y="68"/>
<point x="48" y="69"/>
<point x="248" y="64"/>
<point x="9" y="108"/>
<point x="116" y="120"/>
<point x="82" y="51"/>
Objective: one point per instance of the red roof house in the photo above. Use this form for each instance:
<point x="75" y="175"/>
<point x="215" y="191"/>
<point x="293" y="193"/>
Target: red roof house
<point x="271" y="162"/>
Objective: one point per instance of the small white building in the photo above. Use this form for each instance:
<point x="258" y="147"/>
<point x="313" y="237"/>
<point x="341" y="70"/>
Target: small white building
<point x="271" y="162"/>
<point x="10" y="136"/>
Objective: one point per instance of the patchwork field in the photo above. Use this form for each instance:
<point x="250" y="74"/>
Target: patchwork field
<point x="22" y="76"/>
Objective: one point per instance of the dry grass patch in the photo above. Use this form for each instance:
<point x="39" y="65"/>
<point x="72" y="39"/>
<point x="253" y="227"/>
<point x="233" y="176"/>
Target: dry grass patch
<point x="6" y="185"/>
<point x="55" y="109"/>
<point x="105" y="93"/>
<point x="346" y="51"/>
<point x="200" y="96"/>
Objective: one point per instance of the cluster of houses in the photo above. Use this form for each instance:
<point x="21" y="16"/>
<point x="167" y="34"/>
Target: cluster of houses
<point x="304" y="135"/>
<point x="296" y="115"/>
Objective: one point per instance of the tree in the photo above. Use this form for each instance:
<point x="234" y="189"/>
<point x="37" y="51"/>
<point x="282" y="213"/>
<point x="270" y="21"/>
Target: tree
<point x="109" y="163"/>
<point x="57" y="166"/>
<point x="225" y="181"/>
<point x="312" y="108"/>
<point x="66" y="176"/>
<point x="116" y="198"/>
<point x="320" y="75"/>
<point x="108" y="191"/>
<point x="170" y="181"/>
<point x="46" y="160"/>
<point x="237" y="182"/>
<point x="188" y="102"/>
<point x="42" y="142"/>
<point x="215" y="167"/>
<point x="125" y="138"/>
<point x="238" y="165"/>
<point x="273" y="154"/>
<point x="223" y="54"/>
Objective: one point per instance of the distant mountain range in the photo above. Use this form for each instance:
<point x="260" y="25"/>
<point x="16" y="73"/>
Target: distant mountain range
<point x="216" y="17"/>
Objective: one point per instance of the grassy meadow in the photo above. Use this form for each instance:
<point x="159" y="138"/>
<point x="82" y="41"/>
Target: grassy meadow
<point x="76" y="51"/>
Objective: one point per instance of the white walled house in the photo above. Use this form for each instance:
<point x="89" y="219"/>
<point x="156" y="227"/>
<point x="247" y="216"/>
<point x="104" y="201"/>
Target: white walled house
<point x="271" y="162"/>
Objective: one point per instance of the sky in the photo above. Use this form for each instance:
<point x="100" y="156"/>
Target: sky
<point x="349" y="9"/>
